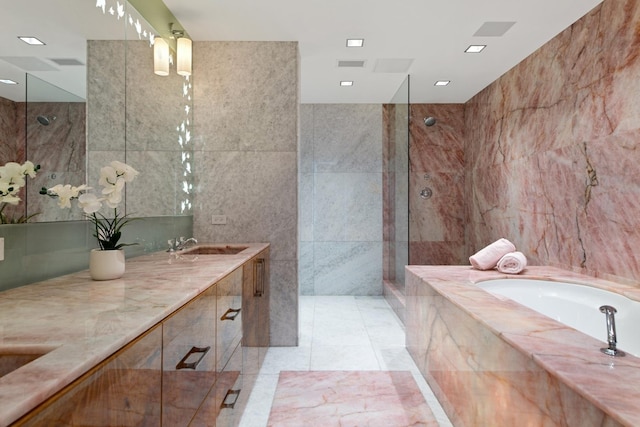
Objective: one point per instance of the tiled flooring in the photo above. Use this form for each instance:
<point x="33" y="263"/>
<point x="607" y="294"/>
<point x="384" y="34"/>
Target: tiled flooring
<point x="338" y="334"/>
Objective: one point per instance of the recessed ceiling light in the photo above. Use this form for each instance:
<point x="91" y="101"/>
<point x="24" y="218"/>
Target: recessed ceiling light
<point x="442" y="82"/>
<point x="475" y="48"/>
<point x="346" y="83"/>
<point x="355" y="42"/>
<point x="31" y="40"/>
<point x="8" y="82"/>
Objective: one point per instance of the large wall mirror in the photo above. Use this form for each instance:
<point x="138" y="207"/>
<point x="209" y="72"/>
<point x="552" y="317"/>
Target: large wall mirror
<point x="90" y="96"/>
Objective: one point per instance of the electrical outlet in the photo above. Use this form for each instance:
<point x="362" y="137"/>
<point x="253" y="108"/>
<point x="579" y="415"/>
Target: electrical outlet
<point x="219" y="219"/>
<point x="1" y="248"/>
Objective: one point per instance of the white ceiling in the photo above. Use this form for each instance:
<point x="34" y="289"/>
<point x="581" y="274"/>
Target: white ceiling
<point x="433" y="34"/>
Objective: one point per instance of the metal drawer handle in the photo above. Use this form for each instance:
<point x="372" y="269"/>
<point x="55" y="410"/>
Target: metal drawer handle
<point x="231" y="314"/>
<point x="192" y="365"/>
<point x="258" y="277"/>
<point x="230" y="393"/>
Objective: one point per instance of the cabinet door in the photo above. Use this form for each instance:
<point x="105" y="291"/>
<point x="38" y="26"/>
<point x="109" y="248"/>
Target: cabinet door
<point x="229" y="317"/>
<point x="255" y="300"/>
<point x="122" y="391"/>
<point x="188" y="359"/>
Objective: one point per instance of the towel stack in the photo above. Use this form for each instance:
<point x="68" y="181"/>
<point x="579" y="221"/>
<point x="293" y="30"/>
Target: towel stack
<point x="502" y="255"/>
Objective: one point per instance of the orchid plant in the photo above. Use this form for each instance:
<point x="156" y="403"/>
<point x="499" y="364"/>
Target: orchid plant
<point x="12" y="179"/>
<point x="113" y="178"/>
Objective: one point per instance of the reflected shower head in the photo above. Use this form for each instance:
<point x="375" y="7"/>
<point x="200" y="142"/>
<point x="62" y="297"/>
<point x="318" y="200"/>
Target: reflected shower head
<point x="429" y="121"/>
<point x="45" y="120"/>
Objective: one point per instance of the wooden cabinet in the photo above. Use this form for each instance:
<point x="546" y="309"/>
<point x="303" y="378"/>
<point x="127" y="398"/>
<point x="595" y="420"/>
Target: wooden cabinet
<point x="188" y="358"/>
<point x="255" y="300"/>
<point x="124" y="390"/>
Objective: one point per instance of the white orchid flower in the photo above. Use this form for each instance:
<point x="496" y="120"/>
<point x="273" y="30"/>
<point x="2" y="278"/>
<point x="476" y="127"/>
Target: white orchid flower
<point x="89" y="203"/>
<point x="12" y="172"/>
<point x="7" y="193"/>
<point x="28" y="168"/>
<point x="113" y="198"/>
<point x="124" y="171"/>
<point x="64" y="193"/>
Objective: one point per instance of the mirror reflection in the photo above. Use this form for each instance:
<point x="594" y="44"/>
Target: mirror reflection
<point x="96" y="99"/>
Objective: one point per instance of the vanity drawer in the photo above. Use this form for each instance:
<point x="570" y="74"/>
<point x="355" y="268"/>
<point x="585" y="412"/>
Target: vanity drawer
<point x="189" y="362"/>
<point x="229" y="318"/>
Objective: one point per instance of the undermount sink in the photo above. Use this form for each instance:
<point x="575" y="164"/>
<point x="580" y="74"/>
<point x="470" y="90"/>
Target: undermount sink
<point x="12" y="359"/>
<point x="214" y="250"/>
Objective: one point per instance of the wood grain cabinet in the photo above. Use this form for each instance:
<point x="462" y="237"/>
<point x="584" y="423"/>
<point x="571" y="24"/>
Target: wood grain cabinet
<point x="255" y="300"/>
<point x="188" y="358"/>
<point x="124" y="390"/>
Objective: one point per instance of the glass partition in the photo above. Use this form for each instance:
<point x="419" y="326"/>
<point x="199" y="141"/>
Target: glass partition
<point x="397" y="186"/>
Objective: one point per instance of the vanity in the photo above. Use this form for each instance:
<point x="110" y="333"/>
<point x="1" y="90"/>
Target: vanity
<point x="177" y="341"/>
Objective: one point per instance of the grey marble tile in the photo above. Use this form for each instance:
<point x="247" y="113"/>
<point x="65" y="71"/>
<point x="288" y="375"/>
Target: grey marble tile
<point x="348" y="207"/>
<point x="305" y="268"/>
<point x="348" y="268"/>
<point x="284" y="303"/>
<point x="347" y="138"/>
<point x="305" y="150"/>
<point x="305" y="206"/>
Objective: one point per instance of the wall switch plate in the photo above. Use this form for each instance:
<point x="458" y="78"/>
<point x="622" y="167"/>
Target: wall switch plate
<point x="219" y="219"/>
<point x="1" y="248"/>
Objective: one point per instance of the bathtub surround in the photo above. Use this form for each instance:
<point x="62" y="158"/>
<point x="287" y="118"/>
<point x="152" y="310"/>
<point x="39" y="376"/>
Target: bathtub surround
<point x="246" y="137"/>
<point x="492" y="361"/>
<point x="551" y="149"/>
<point x="340" y="199"/>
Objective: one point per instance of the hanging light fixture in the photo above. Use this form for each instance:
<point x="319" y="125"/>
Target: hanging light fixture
<point x="184" y="56"/>
<point x="161" y="57"/>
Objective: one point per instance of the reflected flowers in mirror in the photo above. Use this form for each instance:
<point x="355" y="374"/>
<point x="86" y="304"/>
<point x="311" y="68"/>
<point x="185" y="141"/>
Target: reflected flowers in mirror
<point x="113" y="179"/>
<point x="13" y="176"/>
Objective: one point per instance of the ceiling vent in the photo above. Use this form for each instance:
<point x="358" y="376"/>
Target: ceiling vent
<point x="350" y="64"/>
<point x="66" y="61"/>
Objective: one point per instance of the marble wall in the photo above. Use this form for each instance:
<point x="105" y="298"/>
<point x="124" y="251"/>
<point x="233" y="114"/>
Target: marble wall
<point x="436" y="158"/>
<point x="246" y="126"/>
<point x="341" y="199"/>
<point x="12" y="146"/>
<point x="551" y="150"/>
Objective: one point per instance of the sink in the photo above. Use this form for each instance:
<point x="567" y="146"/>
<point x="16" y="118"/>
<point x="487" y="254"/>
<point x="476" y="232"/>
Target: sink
<point x="13" y="358"/>
<point x="214" y="250"/>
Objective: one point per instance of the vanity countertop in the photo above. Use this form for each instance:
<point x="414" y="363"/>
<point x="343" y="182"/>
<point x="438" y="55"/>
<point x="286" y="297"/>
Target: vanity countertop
<point x="82" y="322"/>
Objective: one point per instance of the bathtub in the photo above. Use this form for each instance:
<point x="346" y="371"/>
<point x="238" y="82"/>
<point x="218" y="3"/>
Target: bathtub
<point x="494" y="361"/>
<point x="574" y="305"/>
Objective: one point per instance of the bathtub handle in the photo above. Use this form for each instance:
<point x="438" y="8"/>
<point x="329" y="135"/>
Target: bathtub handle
<point x="612" y="339"/>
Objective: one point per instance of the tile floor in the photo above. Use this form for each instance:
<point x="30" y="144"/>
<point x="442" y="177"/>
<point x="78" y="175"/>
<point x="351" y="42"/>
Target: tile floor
<point x="341" y="333"/>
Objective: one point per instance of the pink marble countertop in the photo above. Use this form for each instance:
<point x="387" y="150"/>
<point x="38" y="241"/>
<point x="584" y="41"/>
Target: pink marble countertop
<point x="612" y="384"/>
<point x="83" y="321"/>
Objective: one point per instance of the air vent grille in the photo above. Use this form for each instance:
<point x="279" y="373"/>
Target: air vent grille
<point x="351" y="63"/>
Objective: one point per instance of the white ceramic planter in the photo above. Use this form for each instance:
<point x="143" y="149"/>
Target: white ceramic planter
<point x="106" y="265"/>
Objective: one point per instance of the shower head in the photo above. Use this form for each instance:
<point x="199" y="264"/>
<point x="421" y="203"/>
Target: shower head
<point x="429" y="121"/>
<point x="45" y="120"/>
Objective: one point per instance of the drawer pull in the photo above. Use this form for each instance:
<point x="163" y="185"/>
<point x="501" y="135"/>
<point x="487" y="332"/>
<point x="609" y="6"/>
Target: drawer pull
<point x="231" y="394"/>
<point x="192" y="365"/>
<point x="231" y="314"/>
<point x="258" y="277"/>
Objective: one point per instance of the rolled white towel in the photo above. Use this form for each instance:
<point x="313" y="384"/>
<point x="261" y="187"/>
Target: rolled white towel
<point x="488" y="257"/>
<point x="512" y="263"/>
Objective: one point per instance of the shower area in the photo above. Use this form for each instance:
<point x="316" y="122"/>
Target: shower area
<point x="423" y="190"/>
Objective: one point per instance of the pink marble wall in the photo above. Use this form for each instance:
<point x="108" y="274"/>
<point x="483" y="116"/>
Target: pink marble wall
<point x="552" y="159"/>
<point x="12" y="146"/>
<point x="436" y="225"/>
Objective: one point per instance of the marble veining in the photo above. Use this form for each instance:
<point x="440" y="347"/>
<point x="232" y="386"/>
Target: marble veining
<point x="492" y="361"/>
<point x="85" y="321"/>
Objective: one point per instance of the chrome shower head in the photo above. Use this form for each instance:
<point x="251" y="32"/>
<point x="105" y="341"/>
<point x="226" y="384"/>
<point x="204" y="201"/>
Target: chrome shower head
<point x="45" y="120"/>
<point x="429" y="121"/>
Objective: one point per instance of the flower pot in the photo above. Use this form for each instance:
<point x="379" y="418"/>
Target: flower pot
<point x="106" y="265"/>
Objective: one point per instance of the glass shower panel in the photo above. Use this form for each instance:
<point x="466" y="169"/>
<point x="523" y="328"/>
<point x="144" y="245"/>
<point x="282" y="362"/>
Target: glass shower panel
<point x="398" y="185"/>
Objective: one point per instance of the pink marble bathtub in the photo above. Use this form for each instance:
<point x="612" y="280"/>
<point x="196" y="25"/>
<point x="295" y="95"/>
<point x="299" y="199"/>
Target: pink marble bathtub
<point x="492" y="361"/>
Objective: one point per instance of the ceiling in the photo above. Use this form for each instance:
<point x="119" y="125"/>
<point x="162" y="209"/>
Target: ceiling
<point x="429" y="35"/>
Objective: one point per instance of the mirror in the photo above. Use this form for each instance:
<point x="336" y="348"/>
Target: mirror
<point x="91" y="98"/>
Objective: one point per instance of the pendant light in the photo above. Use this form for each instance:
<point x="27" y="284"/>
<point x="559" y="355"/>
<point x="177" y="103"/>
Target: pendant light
<point x="161" y="57"/>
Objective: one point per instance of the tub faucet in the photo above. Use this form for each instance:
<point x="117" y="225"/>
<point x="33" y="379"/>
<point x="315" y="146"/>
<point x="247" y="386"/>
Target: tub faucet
<point x="609" y="313"/>
<point x="180" y="243"/>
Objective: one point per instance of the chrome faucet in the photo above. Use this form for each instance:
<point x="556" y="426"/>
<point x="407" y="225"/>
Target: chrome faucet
<point x="180" y="243"/>
<point x="612" y="340"/>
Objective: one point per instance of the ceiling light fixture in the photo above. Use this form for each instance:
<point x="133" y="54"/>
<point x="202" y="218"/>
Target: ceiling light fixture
<point x="475" y="48"/>
<point x="34" y="41"/>
<point x="442" y="82"/>
<point x="8" y="82"/>
<point x="346" y="83"/>
<point x="355" y="42"/>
